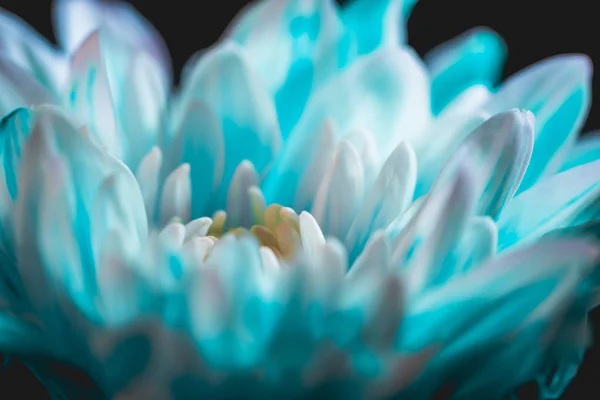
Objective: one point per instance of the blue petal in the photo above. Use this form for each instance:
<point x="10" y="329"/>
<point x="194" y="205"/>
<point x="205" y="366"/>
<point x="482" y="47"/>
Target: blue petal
<point x="473" y="58"/>
<point x="496" y="318"/>
<point x="584" y="151"/>
<point x="377" y="22"/>
<point x="563" y="200"/>
<point x="200" y="143"/>
<point x="224" y="82"/>
<point x="557" y="92"/>
<point x="293" y="47"/>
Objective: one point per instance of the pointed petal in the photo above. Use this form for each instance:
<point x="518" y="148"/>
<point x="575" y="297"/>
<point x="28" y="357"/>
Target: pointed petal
<point x="557" y="92"/>
<point x="432" y="233"/>
<point x="340" y="192"/>
<point x="476" y="57"/>
<point x="239" y="205"/>
<point x="566" y="199"/>
<point x="176" y="196"/>
<point x="89" y="95"/>
<point x="500" y="150"/>
<point x="75" y="20"/>
<point x="389" y="197"/>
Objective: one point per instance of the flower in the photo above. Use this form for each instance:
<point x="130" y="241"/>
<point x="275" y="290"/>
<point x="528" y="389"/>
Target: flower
<point x="379" y="226"/>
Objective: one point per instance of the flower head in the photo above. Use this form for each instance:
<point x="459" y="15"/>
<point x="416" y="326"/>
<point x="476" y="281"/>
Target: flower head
<point x="316" y="211"/>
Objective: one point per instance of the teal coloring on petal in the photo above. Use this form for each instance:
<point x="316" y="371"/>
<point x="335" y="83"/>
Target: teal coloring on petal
<point x="476" y="57"/>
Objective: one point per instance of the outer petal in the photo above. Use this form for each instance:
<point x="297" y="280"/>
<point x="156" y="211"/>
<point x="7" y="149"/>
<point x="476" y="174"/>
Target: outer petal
<point x="377" y="23"/>
<point x="585" y="150"/>
<point x="75" y="20"/>
<point x="23" y="46"/>
<point x="566" y="199"/>
<point x="473" y="58"/>
<point x="79" y="169"/>
<point x="511" y="307"/>
<point x="557" y="91"/>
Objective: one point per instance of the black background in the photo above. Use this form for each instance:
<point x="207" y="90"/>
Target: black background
<point x="532" y="29"/>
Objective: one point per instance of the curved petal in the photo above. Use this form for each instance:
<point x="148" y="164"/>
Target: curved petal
<point x="476" y="57"/>
<point x="500" y="150"/>
<point x="557" y="92"/>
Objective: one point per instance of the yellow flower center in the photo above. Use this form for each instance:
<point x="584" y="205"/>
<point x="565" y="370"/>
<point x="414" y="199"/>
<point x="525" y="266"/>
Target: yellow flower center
<point x="275" y="227"/>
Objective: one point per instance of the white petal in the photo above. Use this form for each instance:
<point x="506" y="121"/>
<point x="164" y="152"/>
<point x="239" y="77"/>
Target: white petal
<point x="389" y="197"/>
<point x="239" y="205"/>
<point x="176" y="196"/>
<point x="147" y="176"/>
<point x="197" y="228"/>
<point x="90" y="97"/>
<point x="340" y="192"/>
<point x="310" y="234"/>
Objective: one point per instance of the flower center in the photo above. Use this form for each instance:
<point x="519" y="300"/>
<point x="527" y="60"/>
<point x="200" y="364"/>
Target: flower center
<point x="275" y="227"/>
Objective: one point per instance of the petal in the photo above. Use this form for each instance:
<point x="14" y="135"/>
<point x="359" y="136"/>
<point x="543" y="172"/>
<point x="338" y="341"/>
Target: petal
<point x="89" y="95"/>
<point x="239" y="205"/>
<point x="390" y="196"/>
<point x="358" y="98"/>
<point x="377" y="23"/>
<point x="57" y="145"/>
<point x="423" y="246"/>
<point x="340" y="192"/>
<point x="24" y="47"/>
<point x="198" y="142"/>
<point x="566" y="199"/>
<point x="511" y="304"/>
<point x="75" y="20"/>
<point x="500" y="150"/>
<point x="224" y="81"/>
<point x="15" y="130"/>
<point x="473" y="58"/>
<point x="176" y="196"/>
<point x="442" y="138"/>
<point x="147" y="176"/>
<point x="20" y="88"/>
<point x="584" y="151"/>
<point x="557" y="92"/>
